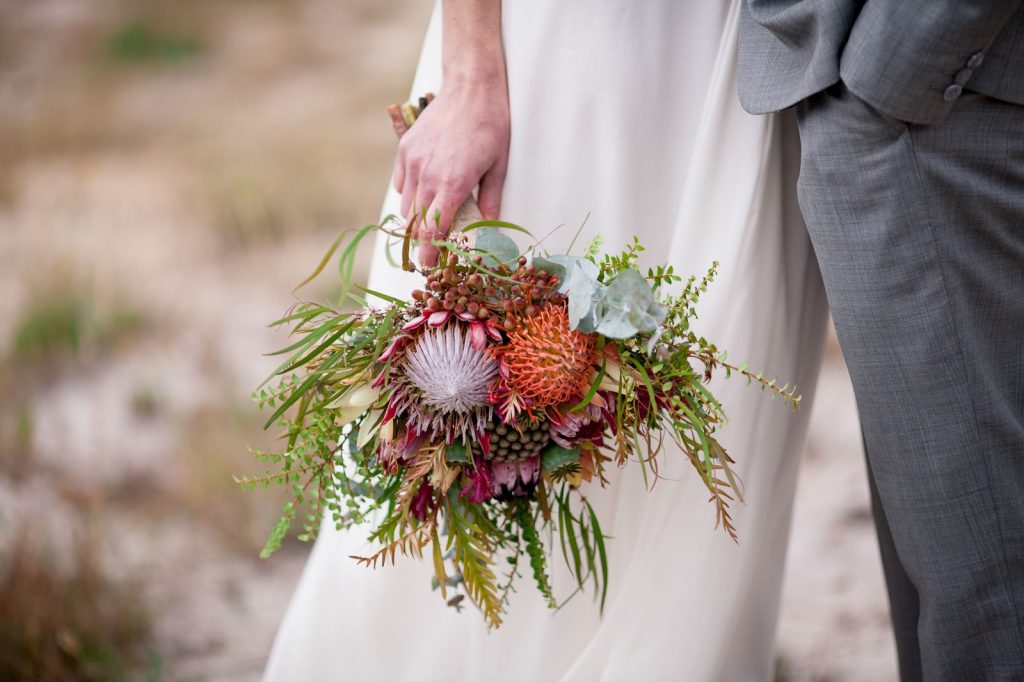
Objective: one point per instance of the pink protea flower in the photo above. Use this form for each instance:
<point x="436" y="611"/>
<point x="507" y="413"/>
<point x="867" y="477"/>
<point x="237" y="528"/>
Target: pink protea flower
<point x="390" y="453"/>
<point x="479" y="331"/>
<point x="515" y="479"/>
<point x="566" y="429"/>
<point x="441" y="385"/>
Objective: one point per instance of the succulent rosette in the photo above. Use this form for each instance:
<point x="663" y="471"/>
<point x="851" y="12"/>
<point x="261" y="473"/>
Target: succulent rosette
<point x="463" y="421"/>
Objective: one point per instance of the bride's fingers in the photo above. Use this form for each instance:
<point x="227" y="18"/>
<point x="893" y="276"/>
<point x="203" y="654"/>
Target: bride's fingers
<point x="446" y="205"/>
<point x="400" y="174"/>
<point x="420" y="212"/>
<point x="429" y="231"/>
<point x="427" y="251"/>
<point x="410" y="186"/>
<point x="491" y="186"/>
<point x="398" y="177"/>
<point x="432" y="227"/>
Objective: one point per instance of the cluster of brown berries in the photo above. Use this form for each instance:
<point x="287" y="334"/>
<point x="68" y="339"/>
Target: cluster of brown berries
<point x="528" y="289"/>
<point x="513" y="294"/>
<point x="455" y="288"/>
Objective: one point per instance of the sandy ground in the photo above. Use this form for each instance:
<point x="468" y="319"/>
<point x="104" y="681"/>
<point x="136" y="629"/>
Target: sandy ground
<point x="196" y="193"/>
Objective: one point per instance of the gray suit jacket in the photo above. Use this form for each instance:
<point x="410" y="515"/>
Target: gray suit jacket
<point x="910" y="59"/>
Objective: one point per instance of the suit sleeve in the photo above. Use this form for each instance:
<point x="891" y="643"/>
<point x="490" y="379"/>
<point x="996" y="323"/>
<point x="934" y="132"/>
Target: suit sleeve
<point x="912" y="60"/>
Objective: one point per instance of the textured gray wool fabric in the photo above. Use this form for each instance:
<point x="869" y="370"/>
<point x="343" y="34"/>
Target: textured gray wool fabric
<point x="911" y="116"/>
<point x="902" y="56"/>
<point x="919" y="231"/>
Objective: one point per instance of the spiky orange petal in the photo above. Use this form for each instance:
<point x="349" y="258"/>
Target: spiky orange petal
<point x="548" y="363"/>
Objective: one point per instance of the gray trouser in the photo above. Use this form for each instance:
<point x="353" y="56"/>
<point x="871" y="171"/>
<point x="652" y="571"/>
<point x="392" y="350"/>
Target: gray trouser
<point x="919" y="231"/>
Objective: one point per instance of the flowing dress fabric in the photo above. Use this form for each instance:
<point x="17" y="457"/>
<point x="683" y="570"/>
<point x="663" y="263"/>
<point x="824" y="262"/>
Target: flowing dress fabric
<point x="625" y="112"/>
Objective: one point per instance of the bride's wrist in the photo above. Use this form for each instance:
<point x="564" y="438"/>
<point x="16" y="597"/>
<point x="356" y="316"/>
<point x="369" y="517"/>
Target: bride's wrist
<point x="476" y="70"/>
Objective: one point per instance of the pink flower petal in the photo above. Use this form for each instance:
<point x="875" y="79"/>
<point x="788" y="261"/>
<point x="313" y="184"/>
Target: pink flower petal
<point x="389" y="413"/>
<point x="438" y="318"/>
<point x="467" y="316"/>
<point x="529" y="469"/>
<point x="413" y="441"/>
<point x="481" y="484"/>
<point x="477" y="336"/>
<point x="504" y="473"/>
<point x="492" y="330"/>
<point x="422" y="502"/>
<point x="390" y="350"/>
<point x="415" y="323"/>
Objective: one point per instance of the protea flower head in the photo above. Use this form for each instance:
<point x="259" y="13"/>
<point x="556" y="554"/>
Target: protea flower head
<point x="568" y="427"/>
<point x="544" y="362"/>
<point x="515" y="479"/>
<point x="441" y="384"/>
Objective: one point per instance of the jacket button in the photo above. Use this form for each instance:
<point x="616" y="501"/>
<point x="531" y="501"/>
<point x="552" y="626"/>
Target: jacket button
<point x="952" y="92"/>
<point x="975" y="61"/>
<point x="962" y="76"/>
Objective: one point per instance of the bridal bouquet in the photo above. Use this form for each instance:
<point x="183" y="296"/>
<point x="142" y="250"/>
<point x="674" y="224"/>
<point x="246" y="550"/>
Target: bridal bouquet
<point x="469" y="421"/>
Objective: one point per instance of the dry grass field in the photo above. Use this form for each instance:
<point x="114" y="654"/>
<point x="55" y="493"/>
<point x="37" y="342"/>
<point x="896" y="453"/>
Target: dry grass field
<point x="168" y="171"/>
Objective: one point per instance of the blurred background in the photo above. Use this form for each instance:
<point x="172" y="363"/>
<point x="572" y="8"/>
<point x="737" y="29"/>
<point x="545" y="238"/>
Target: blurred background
<point x="168" y="171"/>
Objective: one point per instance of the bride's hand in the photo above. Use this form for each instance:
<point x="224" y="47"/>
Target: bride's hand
<point x="461" y="139"/>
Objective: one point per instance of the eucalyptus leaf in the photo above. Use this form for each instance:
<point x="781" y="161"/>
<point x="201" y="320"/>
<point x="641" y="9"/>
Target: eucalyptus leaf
<point x="579" y="282"/>
<point x="629" y="306"/>
<point x="457" y="453"/>
<point x="550" y="264"/>
<point x="582" y="295"/>
<point x="567" y="268"/>
<point x="615" y="325"/>
<point x="495" y="247"/>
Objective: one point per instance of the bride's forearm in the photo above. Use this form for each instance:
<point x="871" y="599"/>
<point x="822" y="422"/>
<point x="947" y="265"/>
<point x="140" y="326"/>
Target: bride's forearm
<point x="462" y="139"/>
<point x="473" y="56"/>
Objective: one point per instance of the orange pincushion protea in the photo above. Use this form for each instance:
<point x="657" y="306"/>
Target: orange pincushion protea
<point x="545" y="362"/>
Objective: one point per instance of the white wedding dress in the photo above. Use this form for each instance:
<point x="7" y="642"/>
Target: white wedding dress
<point x="625" y="111"/>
